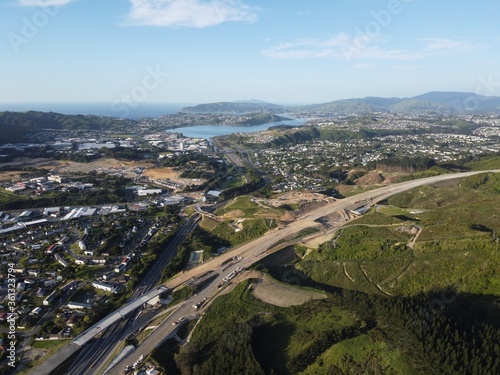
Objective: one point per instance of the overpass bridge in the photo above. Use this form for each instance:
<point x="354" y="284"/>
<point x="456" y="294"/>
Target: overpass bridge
<point x="100" y="326"/>
<point x="67" y="351"/>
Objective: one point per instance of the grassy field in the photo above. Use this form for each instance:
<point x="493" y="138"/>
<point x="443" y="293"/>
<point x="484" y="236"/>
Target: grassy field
<point x="458" y="243"/>
<point x="250" y="229"/>
<point x="363" y="242"/>
<point x="484" y="163"/>
<point x="51" y="345"/>
<point x="208" y="223"/>
<point x="88" y="272"/>
<point x="279" y="294"/>
<point x="245" y="206"/>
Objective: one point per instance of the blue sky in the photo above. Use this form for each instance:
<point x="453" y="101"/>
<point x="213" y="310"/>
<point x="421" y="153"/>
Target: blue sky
<point x="194" y="51"/>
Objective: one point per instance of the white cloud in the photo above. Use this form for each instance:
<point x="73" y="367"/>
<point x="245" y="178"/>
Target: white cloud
<point x="442" y="44"/>
<point x="306" y="48"/>
<point x="188" y="13"/>
<point x="43" y="3"/>
<point x="345" y="47"/>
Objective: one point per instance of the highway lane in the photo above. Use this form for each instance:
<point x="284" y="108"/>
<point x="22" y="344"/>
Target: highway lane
<point x="90" y="353"/>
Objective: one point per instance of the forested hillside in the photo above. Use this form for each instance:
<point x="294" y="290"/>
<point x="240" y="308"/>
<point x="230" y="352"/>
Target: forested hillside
<point x="14" y="126"/>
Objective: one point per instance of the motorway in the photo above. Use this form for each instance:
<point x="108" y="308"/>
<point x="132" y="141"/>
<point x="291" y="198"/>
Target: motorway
<point x="256" y="250"/>
<point x="250" y="253"/>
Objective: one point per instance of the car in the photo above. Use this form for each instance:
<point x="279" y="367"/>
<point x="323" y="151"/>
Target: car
<point x="180" y="320"/>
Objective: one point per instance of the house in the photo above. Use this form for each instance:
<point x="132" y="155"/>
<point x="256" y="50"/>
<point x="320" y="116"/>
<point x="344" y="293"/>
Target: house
<point x="55" y="178"/>
<point x="73" y="319"/>
<point x="38" y="180"/>
<point x="51" y="249"/>
<point x="15" y="188"/>
<point x="80" y="262"/>
<point x="123" y="279"/>
<point x="78" y="305"/>
<point x="120" y="268"/>
<point x="48" y="301"/>
<point x="25" y="215"/>
<point x="213" y="195"/>
<point x="52" y="211"/>
<point x="63" y="262"/>
<point x="145" y="192"/>
<point x="47" y="186"/>
<point x="36" y="311"/>
<point x="104" y="286"/>
<point x="34" y="273"/>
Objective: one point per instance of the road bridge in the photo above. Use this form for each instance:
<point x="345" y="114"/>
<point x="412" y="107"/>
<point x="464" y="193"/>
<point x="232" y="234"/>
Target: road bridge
<point x="66" y="351"/>
<point x="117" y="315"/>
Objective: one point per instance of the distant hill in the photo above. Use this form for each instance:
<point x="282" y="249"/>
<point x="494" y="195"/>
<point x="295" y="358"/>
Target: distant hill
<point x="440" y="102"/>
<point x="14" y="126"/>
<point x="238" y="107"/>
<point x="348" y="106"/>
<point x="250" y="101"/>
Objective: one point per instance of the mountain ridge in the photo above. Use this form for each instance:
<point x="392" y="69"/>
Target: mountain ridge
<point x="433" y="102"/>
